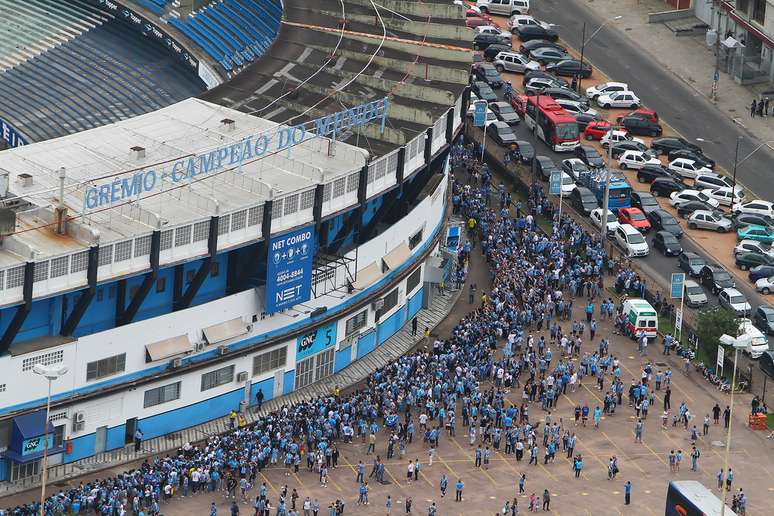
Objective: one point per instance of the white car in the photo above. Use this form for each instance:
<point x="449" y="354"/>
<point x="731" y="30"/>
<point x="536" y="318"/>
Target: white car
<point x="568" y="184"/>
<point x="734" y="300"/>
<point x="504" y="7"/>
<point x="491" y="29"/>
<point x="687" y="167"/>
<point x="606" y="88"/>
<point x="616" y="136"/>
<point x="724" y="195"/>
<point x="574" y="107"/>
<point x="765" y="285"/>
<point x="631" y="240"/>
<point x="691" y="195"/>
<point x="636" y="160"/>
<point x="522" y="20"/>
<point x="514" y="62"/>
<point x="612" y="220"/>
<point x="714" y="181"/>
<point x="753" y="246"/>
<point x="765" y="208"/>
<point x="618" y="99"/>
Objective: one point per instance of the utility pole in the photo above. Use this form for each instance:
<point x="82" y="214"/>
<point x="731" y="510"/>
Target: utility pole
<point x="716" y="76"/>
<point x="583" y="48"/>
<point x="606" y="197"/>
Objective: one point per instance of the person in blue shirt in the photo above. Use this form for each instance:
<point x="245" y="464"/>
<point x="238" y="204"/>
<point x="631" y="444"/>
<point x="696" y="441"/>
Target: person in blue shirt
<point x="443" y="484"/>
<point x="627" y="492"/>
<point x="459" y="487"/>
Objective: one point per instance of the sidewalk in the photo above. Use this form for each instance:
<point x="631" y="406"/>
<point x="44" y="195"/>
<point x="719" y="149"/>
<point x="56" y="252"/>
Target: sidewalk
<point x="688" y="58"/>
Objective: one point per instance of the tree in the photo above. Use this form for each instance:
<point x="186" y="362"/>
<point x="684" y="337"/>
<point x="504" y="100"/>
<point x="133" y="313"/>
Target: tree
<point x="711" y="324"/>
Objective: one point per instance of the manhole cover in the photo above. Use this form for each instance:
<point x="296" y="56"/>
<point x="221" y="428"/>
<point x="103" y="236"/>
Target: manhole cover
<point x="628" y="28"/>
<point x="732" y="110"/>
<point x="661" y="364"/>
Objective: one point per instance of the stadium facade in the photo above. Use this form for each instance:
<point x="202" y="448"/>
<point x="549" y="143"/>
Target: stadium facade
<point x="179" y="261"/>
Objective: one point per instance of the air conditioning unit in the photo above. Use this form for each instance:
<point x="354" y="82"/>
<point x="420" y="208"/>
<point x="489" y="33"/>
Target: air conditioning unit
<point x="79" y="421"/>
<point x="222" y="350"/>
<point x="242" y="377"/>
<point x="175" y="363"/>
<point x="377" y="305"/>
<point x="201" y="345"/>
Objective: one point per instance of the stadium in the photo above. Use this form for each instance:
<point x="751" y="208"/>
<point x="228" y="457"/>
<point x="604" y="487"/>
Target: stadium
<point x="204" y="200"/>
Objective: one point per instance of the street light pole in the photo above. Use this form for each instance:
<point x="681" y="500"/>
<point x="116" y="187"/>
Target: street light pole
<point x="583" y="48"/>
<point x="50" y="374"/>
<point x="736" y="164"/>
<point x="606" y="196"/>
<point x="728" y="435"/>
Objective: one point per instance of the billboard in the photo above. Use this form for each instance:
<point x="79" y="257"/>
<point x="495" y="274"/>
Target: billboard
<point x="315" y="341"/>
<point x="289" y="269"/>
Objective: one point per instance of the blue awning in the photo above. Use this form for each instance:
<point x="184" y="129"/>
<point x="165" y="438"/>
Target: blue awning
<point x="27" y="442"/>
<point x="32" y="425"/>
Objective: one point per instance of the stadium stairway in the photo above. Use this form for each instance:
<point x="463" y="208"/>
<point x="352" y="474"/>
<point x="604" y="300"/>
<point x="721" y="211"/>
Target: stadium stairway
<point x="399" y="344"/>
<point x="233" y="32"/>
<point x="102" y="76"/>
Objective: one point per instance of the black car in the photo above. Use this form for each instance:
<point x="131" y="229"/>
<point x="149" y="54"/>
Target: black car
<point x="482" y="40"/>
<point x="640" y="126"/>
<point x="666" y="242"/>
<point x="664" y="221"/>
<point x="685" y="209"/>
<point x="667" y="144"/>
<point x="620" y="147"/>
<point x="491" y="51"/>
<point x="698" y="157"/>
<point x="545" y="166"/>
<point x="746" y="261"/>
<point x="488" y="73"/>
<point x="716" y="277"/>
<point x="583" y="200"/>
<point x="526" y="150"/>
<point x="590" y="156"/>
<point x="763" y="319"/>
<point x="564" y="93"/>
<point x="505" y="113"/>
<point x="584" y="119"/>
<point x="538" y="85"/>
<point x="649" y="173"/>
<point x="501" y="133"/>
<point x="761" y="271"/>
<point x="483" y="91"/>
<point x="530" y="45"/>
<point x="664" y="186"/>
<point x="570" y="68"/>
<point x="691" y="263"/>
<point x="530" y="32"/>
<point x="749" y="219"/>
<point x="645" y="202"/>
<point x="531" y="74"/>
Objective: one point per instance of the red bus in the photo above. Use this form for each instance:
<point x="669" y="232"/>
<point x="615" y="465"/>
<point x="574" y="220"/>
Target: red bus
<point x="551" y="123"/>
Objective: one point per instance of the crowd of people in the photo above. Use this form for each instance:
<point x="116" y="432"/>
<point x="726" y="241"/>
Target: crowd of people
<point x="532" y="332"/>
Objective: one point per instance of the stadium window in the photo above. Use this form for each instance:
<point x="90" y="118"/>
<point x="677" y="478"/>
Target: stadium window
<point x="390" y="301"/>
<point x="415" y="239"/>
<point x="356" y="322"/>
<point x="269" y="361"/>
<point x="161" y="395"/>
<point x="413" y="280"/>
<point x="217" y="377"/>
<point x="105" y="367"/>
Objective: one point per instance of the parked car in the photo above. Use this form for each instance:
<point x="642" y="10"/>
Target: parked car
<point x="597" y="129"/>
<point x="724" y="195"/>
<point x="698" y="157"/>
<point x="532" y="44"/>
<point x="716" y="278"/>
<point x="584" y="119"/>
<point x="667" y="144"/>
<point x="636" y="160"/>
<point x="545" y="55"/>
<point x="691" y="263"/>
<point x="583" y="200"/>
<point x="513" y="62"/>
<point x="631" y="240"/>
<point x="568" y="184"/>
<point x="748" y="219"/>
<point x="518" y="20"/>
<point x="620" y="147"/>
<point x="576" y="108"/>
<point x="574" y="167"/>
<point x="488" y="73"/>
<point x="759" y="233"/>
<point x="713" y="180"/>
<point x="590" y="156"/>
<point x="687" y="167"/>
<point x="493" y="50"/>
<point x="545" y="166"/>
<point x="618" y="99"/>
<point x="691" y="195"/>
<point x="645" y="202"/>
<point x="763" y="319"/>
<point x="647" y="114"/>
<point x="483" y="91"/>
<point x="635" y="218"/>
<point x="571" y="68"/>
<point x="662" y="220"/>
<point x="612" y="220"/>
<point x="753" y="246"/>
<point x="530" y="32"/>
<point x="473" y="22"/>
<point x="617" y="136"/>
<point x="491" y="29"/>
<point x="641" y="126"/>
<point x="685" y="209"/>
<point x="526" y="150"/>
<point x="505" y="113"/>
<point x="732" y="299"/>
<point x="694" y="294"/>
<point x="702" y="219"/>
<point x="765" y="285"/>
<point x="747" y="261"/>
<point x="652" y="171"/>
<point x="563" y="93"/>
<point x="755" y="207"/>
<point x="604" y="88"/>
<point x="761" y="271"/>
<point x="475" y="12"/>
<point x="482" y="40"/>
<point x="666" y="242"/>
<point x="504" y="7"/>
<point x="501" y="133"/>
<point x="665" y="186"/>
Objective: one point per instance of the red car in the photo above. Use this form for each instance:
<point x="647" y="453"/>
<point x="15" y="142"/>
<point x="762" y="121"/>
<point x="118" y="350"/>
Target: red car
<point x="475" y="13"/>
<point x="597" y="129"/>
<point x="472" y="23"/>
<point x="519" y="104"/>
<point x="635" y="217"/>
<point x="644" y="113"/>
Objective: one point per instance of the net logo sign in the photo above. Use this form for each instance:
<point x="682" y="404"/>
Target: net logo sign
<point x="289" y="271"/>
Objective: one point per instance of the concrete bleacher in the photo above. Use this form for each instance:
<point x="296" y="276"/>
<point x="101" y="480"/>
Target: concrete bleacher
<point x="233" y="32"/>
<point x="157" y="7"/>
<point x="103" y="75"/>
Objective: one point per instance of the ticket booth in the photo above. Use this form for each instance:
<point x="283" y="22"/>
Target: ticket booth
<point x="25" y="450"/>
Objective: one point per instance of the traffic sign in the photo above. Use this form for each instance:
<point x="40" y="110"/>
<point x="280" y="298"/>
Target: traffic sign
<point x="676" y="289"/>
<point x="479" y="113"/>
<point x="555" y="183"/>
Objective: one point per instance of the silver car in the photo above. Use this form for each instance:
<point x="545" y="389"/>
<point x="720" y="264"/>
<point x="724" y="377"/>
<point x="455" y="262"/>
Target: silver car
<point x="694" y="294"/>
<point x="704" y="219"/>
<point x="513" y="62"/>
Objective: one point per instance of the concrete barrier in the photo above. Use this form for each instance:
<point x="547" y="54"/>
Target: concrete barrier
<point x="663" y="16"/>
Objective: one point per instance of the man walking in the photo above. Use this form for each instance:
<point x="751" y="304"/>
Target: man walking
<point x="638" y="426"/>
<point x="137" y="440"/>
<point x="695" y="453"/>
<point x="546" y="500"/>
<point x="726" y="416"/>
<point x="627" y="492"/>
<point x="259" y="399"/>
<point x="414" y="324"/>
<point x="459" y="487"/>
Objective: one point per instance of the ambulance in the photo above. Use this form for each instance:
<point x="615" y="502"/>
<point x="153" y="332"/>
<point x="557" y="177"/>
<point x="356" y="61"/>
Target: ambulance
<point x="640" y="316"/>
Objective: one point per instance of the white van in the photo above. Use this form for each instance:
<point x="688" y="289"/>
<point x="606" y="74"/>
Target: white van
<point x="640" y="316"/>
<point x="504" y="7"/>
<point x="755" y="341"/>
<point x="631" y="240"/>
